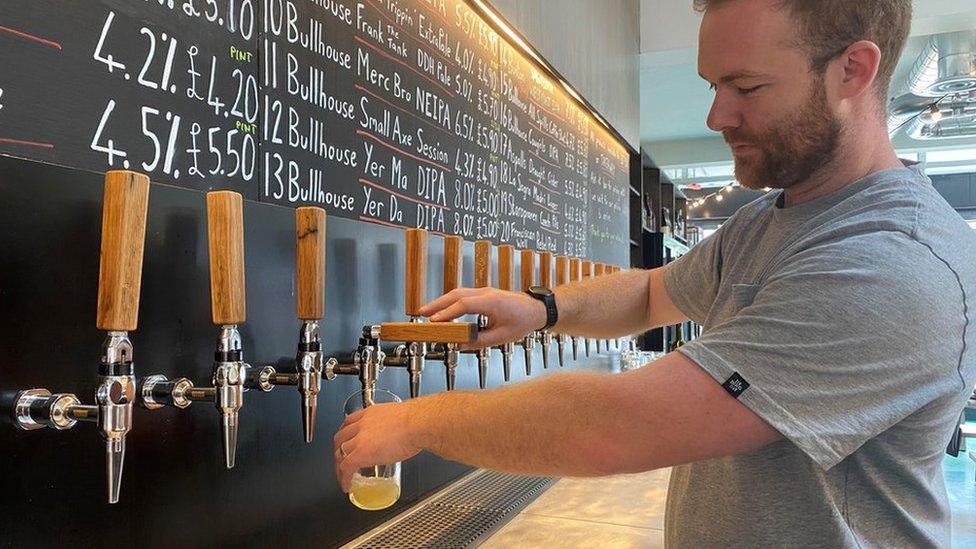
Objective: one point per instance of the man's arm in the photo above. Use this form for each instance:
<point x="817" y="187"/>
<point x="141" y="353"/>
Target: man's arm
<point x="620" y="304"/>
<point x="623" y="303"/>
<point x="667" y="413"/>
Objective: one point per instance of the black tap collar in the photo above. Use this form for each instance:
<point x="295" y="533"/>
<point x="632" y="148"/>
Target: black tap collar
<point x="229" y="356"/>
<point x="116" y="369"/>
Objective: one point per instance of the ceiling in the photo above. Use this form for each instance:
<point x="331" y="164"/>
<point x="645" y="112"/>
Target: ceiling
<point x="675" y="101"/>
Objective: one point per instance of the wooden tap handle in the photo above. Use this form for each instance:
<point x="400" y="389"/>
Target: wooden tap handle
<point x="225" y="230"/>
<point x="575" y="269"/>
<point x="123" y="239"/>
<point x="482" y="264"/>
<point x="562" y="270"/>
<point x="599" y="269"/>
<point x="452" y="262"/>
<point x="545" y="269"/>
<point x="587" y="269"/>
<point x="506" y="267"/>
<point x="310" y="263"/>
<point x="415" y="275"/>
<point x="430" y="332"/>
<point x="528" y="269"/>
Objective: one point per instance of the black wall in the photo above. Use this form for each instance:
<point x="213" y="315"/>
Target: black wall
<point x="175" y="490"/>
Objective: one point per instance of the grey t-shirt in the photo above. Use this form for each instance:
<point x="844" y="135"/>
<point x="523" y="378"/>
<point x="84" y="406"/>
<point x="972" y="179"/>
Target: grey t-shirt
<point x="848" y="323"/>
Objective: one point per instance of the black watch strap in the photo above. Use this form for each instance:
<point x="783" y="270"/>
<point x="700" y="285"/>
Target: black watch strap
<point x="548" y="299"/>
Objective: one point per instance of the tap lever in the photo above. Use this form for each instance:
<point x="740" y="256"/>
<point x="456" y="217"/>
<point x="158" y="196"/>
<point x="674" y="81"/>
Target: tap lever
<point x="310" y="233"/>
<point x="225" y="230"/>
<point x="545" y="269"/>
<point x="452" y="262"/>
<point x="482" y="264"/>
<point x="415" y="271"/>
<point x="124" y="208"/>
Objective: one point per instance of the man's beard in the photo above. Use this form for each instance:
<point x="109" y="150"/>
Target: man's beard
<point x="793" y="149"/>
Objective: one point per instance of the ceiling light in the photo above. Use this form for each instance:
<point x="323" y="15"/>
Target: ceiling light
<point x="718" y="198"/>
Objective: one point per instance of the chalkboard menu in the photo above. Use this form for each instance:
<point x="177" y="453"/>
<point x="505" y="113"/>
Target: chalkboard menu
<point x="396" y="112"/>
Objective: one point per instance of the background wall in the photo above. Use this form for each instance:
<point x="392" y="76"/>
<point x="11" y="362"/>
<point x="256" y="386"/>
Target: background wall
<point x="594" y="45"/>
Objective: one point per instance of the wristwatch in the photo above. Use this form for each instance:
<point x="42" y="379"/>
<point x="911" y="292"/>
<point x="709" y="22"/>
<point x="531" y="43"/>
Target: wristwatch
<point x="548" y="298"/>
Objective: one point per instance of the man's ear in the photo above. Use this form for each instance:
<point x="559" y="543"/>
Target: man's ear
<point x="859" y="63"/>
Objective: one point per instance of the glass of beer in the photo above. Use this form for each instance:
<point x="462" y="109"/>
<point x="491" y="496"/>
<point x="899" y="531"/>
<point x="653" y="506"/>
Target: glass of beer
<point x="377" y="487"/>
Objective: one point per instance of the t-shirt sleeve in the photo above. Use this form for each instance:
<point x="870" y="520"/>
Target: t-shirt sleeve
<point x="692" y="281"/>
<point x="838" y="344"/>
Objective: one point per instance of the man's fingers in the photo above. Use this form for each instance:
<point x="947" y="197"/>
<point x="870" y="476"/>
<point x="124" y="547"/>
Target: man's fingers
<point x="461" y="307"/>
<point x="345" y="433"/>
<point x="446" y="300"/>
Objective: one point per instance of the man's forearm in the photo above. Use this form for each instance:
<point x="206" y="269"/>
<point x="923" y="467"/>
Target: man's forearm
<point x="605" y="307"/>
<point x="560" y="425"/>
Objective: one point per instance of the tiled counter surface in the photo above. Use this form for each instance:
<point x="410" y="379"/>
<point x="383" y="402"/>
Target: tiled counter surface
<point x="615" y="512"/>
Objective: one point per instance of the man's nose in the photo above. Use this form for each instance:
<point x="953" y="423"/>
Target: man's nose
<point x="724" y="115"/>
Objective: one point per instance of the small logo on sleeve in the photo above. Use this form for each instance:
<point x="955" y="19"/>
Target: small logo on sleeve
<point x="736" y="385"/>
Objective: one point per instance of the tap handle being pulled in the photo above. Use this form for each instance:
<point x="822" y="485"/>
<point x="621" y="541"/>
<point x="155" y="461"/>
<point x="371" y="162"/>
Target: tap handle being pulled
<point x="415" y="274"/>
<point x="310" y="263"/>
<point x="124" y="208"/>
<point x="225" y="231"/>
<point x="429" y="332"/>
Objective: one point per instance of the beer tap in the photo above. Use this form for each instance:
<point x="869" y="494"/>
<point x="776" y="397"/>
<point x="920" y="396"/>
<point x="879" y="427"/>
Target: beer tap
<point x="545" y="281"/>
<point x="482" y="279"/>
<point x="231" y="375"/>
<point x="528" y="280"/>
<point x="310" y="236"/>
<point x="506" y="282"/>
<point x="588" y="274"/>
<point x="124" y="208"/>
<point x="562" y="278"/>
<point x="575" y="275"/>
<point x="412" y="353"/>
<point x="448" y="352"/>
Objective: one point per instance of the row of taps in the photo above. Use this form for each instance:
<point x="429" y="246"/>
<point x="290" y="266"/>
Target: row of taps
<point x="124" y="213"/>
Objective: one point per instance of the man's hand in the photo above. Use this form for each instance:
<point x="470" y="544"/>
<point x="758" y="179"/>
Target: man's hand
<point x="378" y="435"/>
<point x="510" y="315"/>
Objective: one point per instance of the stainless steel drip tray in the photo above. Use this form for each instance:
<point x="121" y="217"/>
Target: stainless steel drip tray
<point x="464" y="514"/>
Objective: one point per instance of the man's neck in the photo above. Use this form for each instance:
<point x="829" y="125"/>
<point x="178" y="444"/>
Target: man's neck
<point x="854" y="161"/>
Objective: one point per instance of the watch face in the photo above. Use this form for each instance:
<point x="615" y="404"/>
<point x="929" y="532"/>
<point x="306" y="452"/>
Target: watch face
<point x="540" y="291"/>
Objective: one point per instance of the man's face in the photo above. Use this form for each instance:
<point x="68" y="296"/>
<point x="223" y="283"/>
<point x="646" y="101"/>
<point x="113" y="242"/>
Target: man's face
<point x="770" y="107"/>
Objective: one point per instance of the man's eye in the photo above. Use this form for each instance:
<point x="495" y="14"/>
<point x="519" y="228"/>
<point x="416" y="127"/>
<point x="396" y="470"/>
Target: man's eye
<point x="748" y="91"/>
<point x="712" y="87"/>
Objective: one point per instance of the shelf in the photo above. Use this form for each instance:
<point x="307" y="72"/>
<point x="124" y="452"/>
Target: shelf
<point x="672" y="244"/>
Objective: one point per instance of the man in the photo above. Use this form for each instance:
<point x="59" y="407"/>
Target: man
<point x="837" y="349"/>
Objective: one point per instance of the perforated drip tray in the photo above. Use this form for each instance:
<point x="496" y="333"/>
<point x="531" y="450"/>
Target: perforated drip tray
<point x="464" y="514"/>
